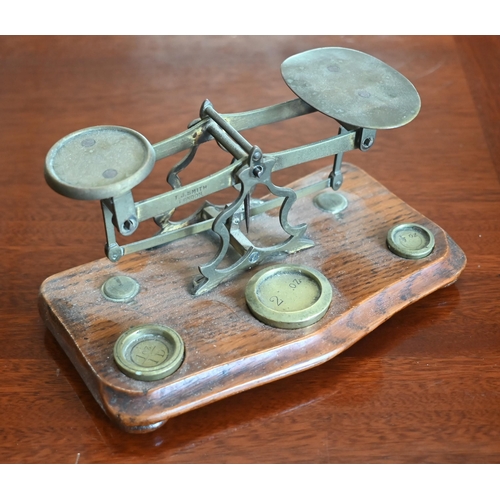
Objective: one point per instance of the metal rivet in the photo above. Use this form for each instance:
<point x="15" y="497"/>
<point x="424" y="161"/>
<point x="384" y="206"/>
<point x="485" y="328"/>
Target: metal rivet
<point x="88" y="142"/>
<point x="114" y="253"/>
<point x="333" y="68"/>
<point x="254" y="257"/>
<point x="110" y="173"/>
<point x="120" y="288"/>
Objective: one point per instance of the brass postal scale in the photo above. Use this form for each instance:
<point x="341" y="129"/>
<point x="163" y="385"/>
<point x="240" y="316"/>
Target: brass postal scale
<point x="153" y="337"/>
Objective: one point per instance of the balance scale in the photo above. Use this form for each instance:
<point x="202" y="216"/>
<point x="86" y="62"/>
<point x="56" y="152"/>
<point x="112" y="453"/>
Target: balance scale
<point x="152" y="338"/>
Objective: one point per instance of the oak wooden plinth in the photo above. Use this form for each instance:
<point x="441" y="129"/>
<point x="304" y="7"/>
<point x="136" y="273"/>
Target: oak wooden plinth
<point x="227" y="350"/>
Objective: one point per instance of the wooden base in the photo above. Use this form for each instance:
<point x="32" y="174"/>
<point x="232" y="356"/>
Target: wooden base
<point x="227" y="349"/>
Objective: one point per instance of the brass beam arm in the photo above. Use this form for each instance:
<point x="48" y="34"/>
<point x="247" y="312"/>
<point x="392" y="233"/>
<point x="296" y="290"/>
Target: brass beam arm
<point x="165" y="202"/>
<point x="240" y="121"/>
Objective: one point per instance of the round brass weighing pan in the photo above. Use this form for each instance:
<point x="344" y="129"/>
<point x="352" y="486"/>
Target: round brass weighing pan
<point x="354" y="88"/>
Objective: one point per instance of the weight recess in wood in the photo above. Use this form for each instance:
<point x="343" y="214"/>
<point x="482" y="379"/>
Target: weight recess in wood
<point x="149" y="352"/>
<point x="410" y="241"/>
<point x="288" y="296"/>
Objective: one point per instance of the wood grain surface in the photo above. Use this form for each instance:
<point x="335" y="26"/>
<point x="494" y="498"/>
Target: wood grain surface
<point x="227" y="350"/>
<point x="423" y="387"/>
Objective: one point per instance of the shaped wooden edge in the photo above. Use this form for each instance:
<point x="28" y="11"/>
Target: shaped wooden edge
<point x="151" y="409"/>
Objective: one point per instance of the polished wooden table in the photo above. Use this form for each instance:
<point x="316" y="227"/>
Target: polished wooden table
<point x="422" y="387"/>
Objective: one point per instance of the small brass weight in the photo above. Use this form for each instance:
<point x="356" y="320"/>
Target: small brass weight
<point x="176" y="339"/>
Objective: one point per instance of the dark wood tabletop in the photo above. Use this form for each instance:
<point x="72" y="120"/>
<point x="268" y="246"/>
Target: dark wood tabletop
<point x="422" y="387"/>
